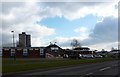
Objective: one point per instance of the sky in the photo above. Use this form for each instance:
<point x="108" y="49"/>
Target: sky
<point x="93" y="24"/>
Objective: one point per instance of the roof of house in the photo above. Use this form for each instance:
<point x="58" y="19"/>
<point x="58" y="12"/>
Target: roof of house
<point x="53" y="45"/>
<point x="81" y="48"/>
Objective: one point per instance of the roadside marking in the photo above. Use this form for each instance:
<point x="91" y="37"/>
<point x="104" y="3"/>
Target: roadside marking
<point x="104" y="68"/>
<point x="89" y="74"/>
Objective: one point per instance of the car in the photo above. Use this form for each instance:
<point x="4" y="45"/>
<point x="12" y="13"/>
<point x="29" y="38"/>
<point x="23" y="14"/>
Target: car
<point x="97" y="56"/>
<point x="65" y="56"/>
<point x="80" y="56"/>
<point x="87" y="56"/>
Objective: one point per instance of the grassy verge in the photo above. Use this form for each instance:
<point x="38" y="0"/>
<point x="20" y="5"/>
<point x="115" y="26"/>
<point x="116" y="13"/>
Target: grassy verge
<point x="24" y="65"/>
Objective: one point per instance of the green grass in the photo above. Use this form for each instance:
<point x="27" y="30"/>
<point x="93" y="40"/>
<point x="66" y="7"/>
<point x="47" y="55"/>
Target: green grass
<point x="24" y="65"/>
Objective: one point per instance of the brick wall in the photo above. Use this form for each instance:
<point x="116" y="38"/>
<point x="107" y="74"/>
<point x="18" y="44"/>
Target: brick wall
<point x="34" y="53"/>
<point x="19" y="53"/>
<point x="6" y="53"/>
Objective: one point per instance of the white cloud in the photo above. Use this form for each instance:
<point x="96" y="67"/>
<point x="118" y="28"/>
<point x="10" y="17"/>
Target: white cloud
<point x="50" y="12"/>
<point x="65" y="42"/>
<point x="106" y="46"/>
<point x="104" y="35"/>
<point x="67" y="39"/>
<point x="25" y="19"/>
<point x="76" y="10"/>
<point x="23" y="16"/>
<point x="8" y="17"/>
<point x="57" y="1"/>
<point x="81" y="30"/>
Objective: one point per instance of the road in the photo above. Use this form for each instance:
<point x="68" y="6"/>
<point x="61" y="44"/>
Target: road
<point x="104" y="68"/>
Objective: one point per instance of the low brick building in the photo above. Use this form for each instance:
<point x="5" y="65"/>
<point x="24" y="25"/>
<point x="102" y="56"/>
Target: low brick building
<point x="51" y="51"/>
<point x="26" y="52"/>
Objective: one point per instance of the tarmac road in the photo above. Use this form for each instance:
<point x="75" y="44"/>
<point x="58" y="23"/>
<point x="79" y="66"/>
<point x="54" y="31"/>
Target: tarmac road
<point x="105" y="68"/>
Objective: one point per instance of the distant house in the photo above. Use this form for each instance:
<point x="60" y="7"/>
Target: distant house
<point x="115" y="53"/>
<point x="76" y="52"/>
<point x="103" y="53"/>
<point x="54" y="51"/>
<point x="82" y="48"/>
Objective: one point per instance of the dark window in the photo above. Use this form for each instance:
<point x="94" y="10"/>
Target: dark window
<point x="41" y="51"/>
<point x="25" y="52"/>
<point x="12" y="52"/>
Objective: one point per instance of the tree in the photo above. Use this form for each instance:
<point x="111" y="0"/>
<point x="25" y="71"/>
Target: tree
<point x="75" y="43"/>
<point x="112" y="48"/>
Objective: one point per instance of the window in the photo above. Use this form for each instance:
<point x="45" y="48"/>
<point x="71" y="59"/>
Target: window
<point x="25" y="52"/>
<point x="12" y="52"/>
<point x="31" y="49"/>
<point x="6" y="49"/>
<point x="55" y="49"/>
<point x="36" y="49"/>
<point x="19" y="49"/>
<point x="41" y="51"/>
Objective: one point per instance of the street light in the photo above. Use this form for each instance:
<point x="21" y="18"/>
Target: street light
<point x="14" y="46"/>
<point x="13" y="39"/>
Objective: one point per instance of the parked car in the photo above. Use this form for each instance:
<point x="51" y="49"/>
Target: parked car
<point x="79" y="56"/>
<point x="87" y="56"/>
<point x="65" y="56"/>
<point x="97" y="56"/>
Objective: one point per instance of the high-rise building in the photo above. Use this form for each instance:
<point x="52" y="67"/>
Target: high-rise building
<point x="24" y="40"/>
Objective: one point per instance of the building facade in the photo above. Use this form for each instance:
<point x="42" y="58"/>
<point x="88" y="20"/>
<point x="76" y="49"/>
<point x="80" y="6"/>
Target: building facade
<point x="26" y="52"/>
<point x="54" y="51"/>
<point x="24" y="40"/>
<point x="78" y="52"/>
<point x="51" y="51"/>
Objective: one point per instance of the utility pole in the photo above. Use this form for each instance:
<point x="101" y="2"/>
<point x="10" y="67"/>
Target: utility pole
<point x="13" y="39"/>
<point x="14" y="46"/>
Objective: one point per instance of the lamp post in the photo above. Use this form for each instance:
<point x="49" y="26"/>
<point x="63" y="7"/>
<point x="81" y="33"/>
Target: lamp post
<point x="13" y="39"/>
<point x="14" y="46"/>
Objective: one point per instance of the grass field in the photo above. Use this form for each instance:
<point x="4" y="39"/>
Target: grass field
<point x="32" y="64"/>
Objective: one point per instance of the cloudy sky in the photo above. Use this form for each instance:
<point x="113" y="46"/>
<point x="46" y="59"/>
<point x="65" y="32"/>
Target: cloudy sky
<point x="94" y="24"/>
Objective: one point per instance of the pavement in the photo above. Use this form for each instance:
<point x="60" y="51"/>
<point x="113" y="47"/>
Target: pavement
<point x="110" y="69"/>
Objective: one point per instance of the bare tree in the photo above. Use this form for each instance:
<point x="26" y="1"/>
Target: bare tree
<point x="112" y="48"/>
<point x="75" y="43"/>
